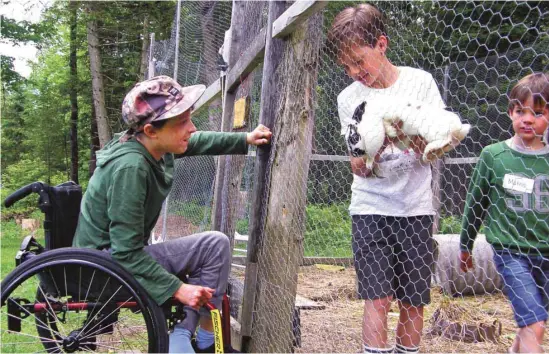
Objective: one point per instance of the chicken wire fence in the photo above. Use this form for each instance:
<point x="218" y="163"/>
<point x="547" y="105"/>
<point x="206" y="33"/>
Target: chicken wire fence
<point x="475" y="52"/>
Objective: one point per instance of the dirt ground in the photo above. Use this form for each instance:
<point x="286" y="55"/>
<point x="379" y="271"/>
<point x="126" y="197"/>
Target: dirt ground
<point x="337" y="328"/>
<point x="176" y="226"/>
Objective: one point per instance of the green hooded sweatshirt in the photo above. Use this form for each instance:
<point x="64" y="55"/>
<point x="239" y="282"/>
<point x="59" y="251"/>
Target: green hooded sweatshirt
<point x="124" y="199"/>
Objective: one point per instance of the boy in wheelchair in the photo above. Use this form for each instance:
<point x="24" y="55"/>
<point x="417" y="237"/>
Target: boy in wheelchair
<point x="124" y="198"/>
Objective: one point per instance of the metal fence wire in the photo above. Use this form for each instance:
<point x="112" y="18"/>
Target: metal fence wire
<point x="476" y="52"/>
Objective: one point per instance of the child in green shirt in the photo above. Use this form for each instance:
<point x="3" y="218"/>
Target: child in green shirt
<point x="510" y="187"/>
<point x="124" y="197"/>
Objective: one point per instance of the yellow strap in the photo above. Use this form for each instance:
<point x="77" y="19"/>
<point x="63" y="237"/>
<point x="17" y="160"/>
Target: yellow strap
<point x="218" y="332"/>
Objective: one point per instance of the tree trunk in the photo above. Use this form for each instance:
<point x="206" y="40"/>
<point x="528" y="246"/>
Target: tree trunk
<point x="97" y="84"/>
<point x="73" y="93"/>
<point x="94" y="143"/>
<point x="144" y="49"/>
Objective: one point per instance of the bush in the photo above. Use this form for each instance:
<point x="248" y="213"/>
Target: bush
<point x="192" y="211"/>
<point x="328" y="231"/>
<point x="449" y="225"/>
<point x="20" y="174"/>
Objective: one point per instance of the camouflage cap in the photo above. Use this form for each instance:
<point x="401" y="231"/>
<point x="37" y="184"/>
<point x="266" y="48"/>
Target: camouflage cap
<point x="156" y="99"/>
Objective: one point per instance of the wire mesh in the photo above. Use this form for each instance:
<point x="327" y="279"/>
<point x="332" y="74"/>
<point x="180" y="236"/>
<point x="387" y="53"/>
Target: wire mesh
<point x="475" y="53"/>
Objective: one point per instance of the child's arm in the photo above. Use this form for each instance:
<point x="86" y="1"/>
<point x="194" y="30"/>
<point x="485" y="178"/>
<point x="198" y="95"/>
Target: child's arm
<point x="476" y="205"/>
<point x="358" y="167"/>
<point x="226" y="143"/>
<point x="358" y="164"/>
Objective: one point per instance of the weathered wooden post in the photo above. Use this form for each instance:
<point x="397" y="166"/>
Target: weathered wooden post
<point x="280" y="188"/>
<point x="237" y="19"/>
<point x="253" y="39"/>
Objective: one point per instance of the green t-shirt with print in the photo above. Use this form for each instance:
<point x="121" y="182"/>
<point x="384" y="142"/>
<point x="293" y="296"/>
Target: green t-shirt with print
<point x="510" y="189"/>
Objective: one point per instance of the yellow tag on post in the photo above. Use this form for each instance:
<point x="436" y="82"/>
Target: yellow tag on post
<point x="218" y="331"/>
<point x="241" y="112"/>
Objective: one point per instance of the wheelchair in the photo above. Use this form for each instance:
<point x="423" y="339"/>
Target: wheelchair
<point x="64" y="299"/>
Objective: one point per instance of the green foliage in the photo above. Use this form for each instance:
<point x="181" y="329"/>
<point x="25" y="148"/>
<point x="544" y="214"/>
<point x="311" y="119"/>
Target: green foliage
<point x="20" y="174"/>
<point x="450" y="225"/>
<point x="36" y="112"/>
<point x="328" y="231"/>
<point x="21" y="32"/>
<point x="13" y="132"/>
<point x="9" y="76"/>
<point x="193" y="212"/>
<point x="242" y="226"/>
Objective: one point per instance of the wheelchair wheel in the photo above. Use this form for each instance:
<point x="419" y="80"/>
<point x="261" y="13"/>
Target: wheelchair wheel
<point x="71" y="299"/>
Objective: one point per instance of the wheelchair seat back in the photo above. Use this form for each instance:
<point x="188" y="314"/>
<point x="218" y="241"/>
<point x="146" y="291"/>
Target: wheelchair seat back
<point x="61" y="213"/>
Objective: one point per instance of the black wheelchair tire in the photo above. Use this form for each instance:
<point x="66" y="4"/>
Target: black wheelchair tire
<point x="153" y="314"/>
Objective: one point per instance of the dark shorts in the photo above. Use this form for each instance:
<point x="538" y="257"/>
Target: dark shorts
<point x="394" y="257"/>
<point x="526" y="280"/>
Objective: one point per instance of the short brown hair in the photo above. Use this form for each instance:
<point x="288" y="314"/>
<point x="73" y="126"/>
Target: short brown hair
<point x="535" y="85"/>
<point x="362" y="24"/>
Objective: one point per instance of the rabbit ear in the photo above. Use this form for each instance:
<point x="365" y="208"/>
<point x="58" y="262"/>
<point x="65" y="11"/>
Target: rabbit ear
<point x="359" y="111"/>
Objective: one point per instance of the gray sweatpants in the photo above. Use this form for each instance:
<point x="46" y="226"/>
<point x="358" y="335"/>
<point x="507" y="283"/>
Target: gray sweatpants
<point x="199" y="259"/>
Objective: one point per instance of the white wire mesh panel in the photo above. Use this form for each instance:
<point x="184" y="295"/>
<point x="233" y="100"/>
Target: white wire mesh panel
<point x="475" y="53"/>
<point x="475" y="58"/>
<point x="202" y="27"/>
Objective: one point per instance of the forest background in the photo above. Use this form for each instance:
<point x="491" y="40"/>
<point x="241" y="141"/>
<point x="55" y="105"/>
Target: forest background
<point x="91" y="53"/>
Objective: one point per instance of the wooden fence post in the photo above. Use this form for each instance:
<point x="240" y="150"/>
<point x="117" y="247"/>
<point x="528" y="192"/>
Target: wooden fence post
<point x="267" y="115"/>
<point x="275" y="246"/>
<point x="237" y="19"/>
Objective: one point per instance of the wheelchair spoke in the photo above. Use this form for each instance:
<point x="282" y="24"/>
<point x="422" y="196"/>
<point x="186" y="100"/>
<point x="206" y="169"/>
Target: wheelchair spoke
<point x="89" y="286"/>
<point x="99" y="323"/>
<point x="28" y="321"/>
<point x="54" y="283"/>
<point x="79" y="283"/>
<point x="29" y="315"/>
<point x="133" y="333"/>
<point x="100" y="309"/>
<point x="51" y="313"/>
<point x="65" y="278"/>
<point x="121" y="325"/>
<point x="30" y="335"/>
<point x="108" y="346"/>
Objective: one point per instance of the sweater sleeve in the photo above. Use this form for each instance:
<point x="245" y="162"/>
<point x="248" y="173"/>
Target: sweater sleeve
<point x="126" y="211"/>
<point x="477" y="202"/>
<point x="216" y="143"/>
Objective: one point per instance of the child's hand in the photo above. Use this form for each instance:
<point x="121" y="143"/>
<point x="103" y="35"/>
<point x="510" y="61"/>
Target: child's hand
<point x="418" y="144"/>
<point x="194" y="295"/>
<point x="259" y="136"/>
<point x="465" y="261"/>
<point x="400" y="137"/>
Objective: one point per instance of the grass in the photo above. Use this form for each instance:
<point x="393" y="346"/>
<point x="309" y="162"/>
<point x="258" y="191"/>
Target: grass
<point x="131" y="330"/>
<point x="327" y="231"/>
<point x="11" y="237"/>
